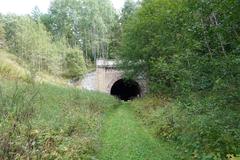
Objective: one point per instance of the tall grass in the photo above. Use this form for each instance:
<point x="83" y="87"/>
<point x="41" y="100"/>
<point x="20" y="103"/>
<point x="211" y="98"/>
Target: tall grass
<point x="200" y="128"/>
<point x="49" y="122"/>
<point x="13" y="68"/>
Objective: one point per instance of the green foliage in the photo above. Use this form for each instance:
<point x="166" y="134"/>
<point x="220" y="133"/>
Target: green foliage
<point x="128" y="9"/>
<point x="183" y="43"/>
<point x="75" y="64"/>
<point x="49" y="122"/>
<point x="36" y="14"/>
<point x="12" y="68"/>
<point x="114" y="40"/>
<point x="116" y="30"/>
<point x="85" y="23"/>
<point x="200" y="129"/>
<point x="189" y="50"/>
<point x="2" y="34"/>
<point x="29" y="40"/>
<point x="1" y="31"/>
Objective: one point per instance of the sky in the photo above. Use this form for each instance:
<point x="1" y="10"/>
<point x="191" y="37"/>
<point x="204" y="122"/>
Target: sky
<point x="25" y="6"/>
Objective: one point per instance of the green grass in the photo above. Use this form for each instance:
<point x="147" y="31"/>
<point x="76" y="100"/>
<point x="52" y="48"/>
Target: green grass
<point x="12" y="67"/>
<point x="124" y="138"/>
<point x="42" y="121"/>
<point x="50" y="122"/>
<point x="198" y="127"/>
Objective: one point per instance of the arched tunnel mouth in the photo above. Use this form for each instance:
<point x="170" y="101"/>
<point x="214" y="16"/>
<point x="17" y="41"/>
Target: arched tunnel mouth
<point x="126" y="89"/>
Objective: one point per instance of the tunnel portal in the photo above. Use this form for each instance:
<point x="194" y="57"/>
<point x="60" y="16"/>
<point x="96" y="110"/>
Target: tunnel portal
<point x="126" y="89"/>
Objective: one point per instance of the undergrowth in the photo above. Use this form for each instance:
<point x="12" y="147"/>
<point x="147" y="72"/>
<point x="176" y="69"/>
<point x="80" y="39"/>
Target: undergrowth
<point x="200" y="129"/>
<point x="49" y="122"/>
<point x="12" y="68"/>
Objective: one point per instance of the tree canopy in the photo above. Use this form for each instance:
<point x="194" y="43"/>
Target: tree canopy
<point x="189" y="50"/>
<point x="2" y="33"/>
<point x="175" y="40"/>
<point x="84" y="23"/>
<point x="29" y="40"/>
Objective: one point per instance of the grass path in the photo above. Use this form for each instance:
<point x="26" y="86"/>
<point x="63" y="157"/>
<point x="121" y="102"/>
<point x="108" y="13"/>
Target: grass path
<point x="124" y="138"/>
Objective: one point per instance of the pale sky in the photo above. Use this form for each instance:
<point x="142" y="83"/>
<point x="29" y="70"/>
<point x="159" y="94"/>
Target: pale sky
<point x="26" y="6"/>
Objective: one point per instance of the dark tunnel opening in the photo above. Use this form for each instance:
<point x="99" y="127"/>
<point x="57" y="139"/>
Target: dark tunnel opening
<point x="125" y="89"/>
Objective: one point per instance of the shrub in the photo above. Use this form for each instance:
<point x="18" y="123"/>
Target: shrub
<point x="2" y="34"/>
<point x="49" y="122"/>
<point x="75" y="64"/>
<point x="30" y="41"/>
<point x="12" y="68"/>
<point x="196" y="125"/>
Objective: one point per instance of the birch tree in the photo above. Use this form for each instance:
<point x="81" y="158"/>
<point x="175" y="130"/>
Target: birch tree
<point x="84" y="23"/>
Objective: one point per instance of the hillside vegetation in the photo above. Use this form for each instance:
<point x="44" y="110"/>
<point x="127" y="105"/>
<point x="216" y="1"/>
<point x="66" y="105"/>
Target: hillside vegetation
<point x="49" y="122"/>
<point x="188" y="52"/>
<point x="12" y="67"/>
<point x="198" y="130"/>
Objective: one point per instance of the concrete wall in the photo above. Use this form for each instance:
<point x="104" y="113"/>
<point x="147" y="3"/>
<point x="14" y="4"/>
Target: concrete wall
<point x="106" y="75"/>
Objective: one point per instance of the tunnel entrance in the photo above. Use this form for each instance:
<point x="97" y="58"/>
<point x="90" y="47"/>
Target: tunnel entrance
<point x="125" y="89"/>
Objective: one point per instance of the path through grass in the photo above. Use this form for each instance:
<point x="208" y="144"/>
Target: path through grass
<point x="124" y="138"/>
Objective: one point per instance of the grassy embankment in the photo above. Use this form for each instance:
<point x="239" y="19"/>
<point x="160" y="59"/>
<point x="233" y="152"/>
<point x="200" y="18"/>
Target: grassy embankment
<point x="14" y="68"/>
<point x="199" y="130"/>
<point x="50" y="122"/>
<point x="43" y="121"/>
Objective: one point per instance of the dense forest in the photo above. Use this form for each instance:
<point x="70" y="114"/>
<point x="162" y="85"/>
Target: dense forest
<point x="62" y="40"/>
<point x="188" y="51"/>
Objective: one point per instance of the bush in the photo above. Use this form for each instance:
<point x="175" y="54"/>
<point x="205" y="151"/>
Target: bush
<point x="49" y="122"/>
<point x="196" y="125"/>
<point x="75" y="64"/>
<point x="2" y="36"/>
<point x="189" y="51"/>
<point x="12" y="68"/>
<point x="30" y="41"/>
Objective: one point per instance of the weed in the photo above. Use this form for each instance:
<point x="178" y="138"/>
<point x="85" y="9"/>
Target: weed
<point x="42" y="121"/>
